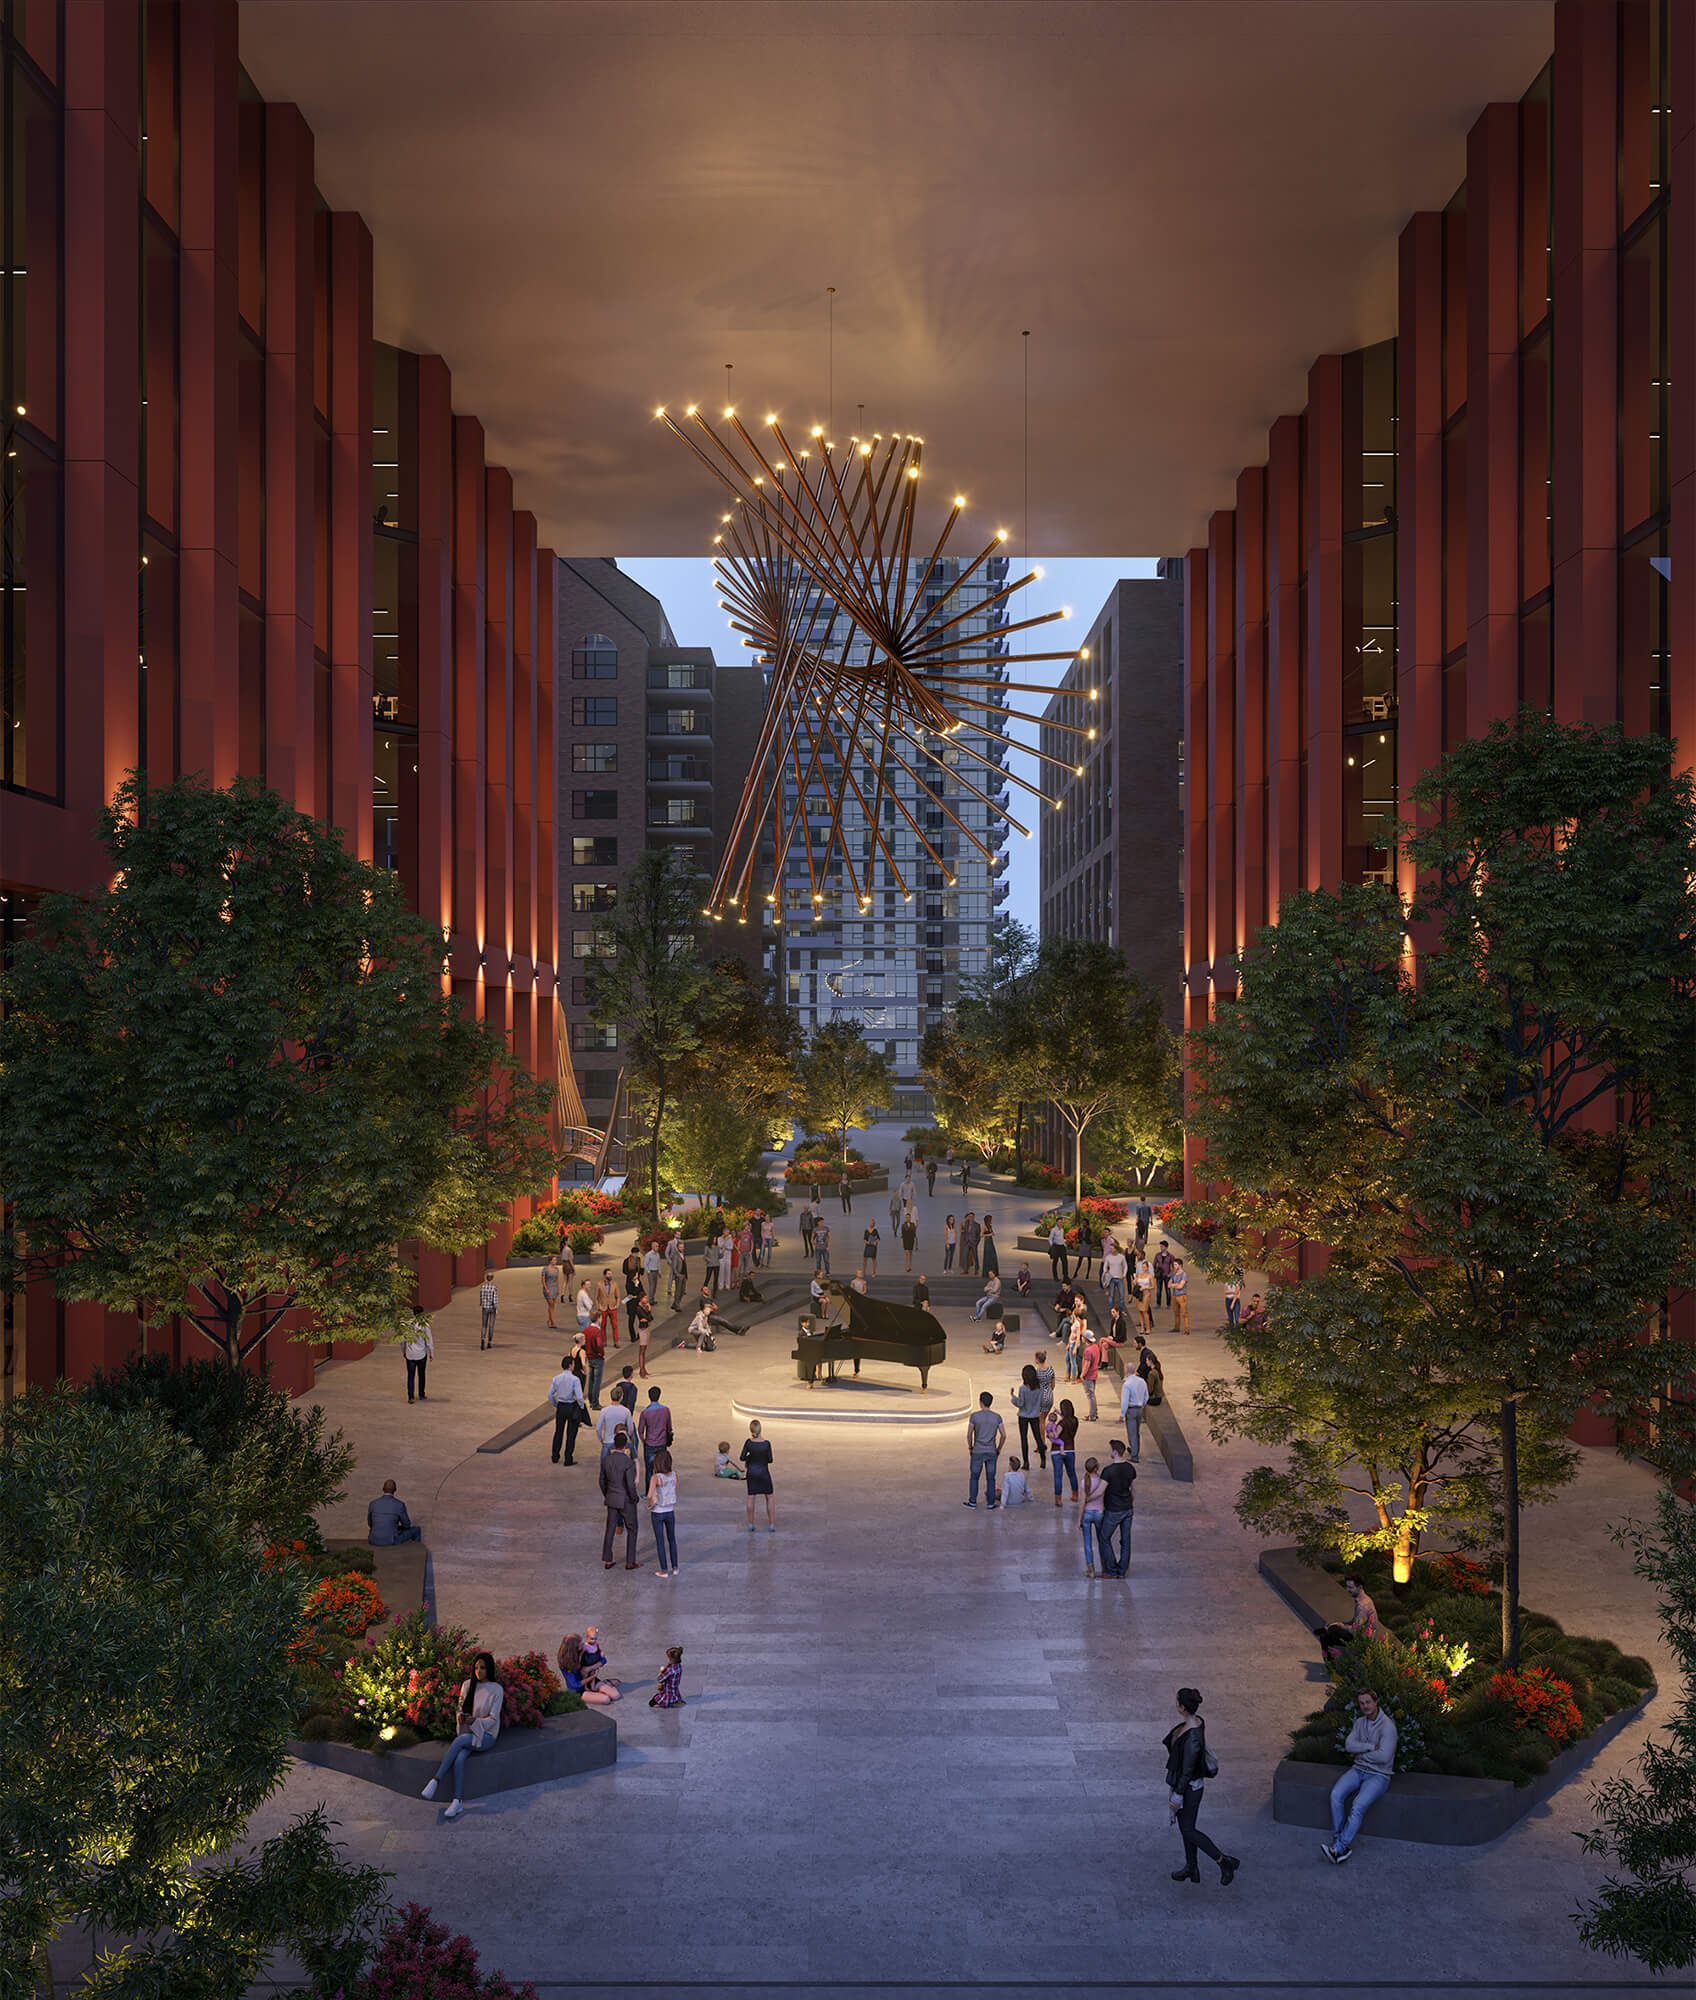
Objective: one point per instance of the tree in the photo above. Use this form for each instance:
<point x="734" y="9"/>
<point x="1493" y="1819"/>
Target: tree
<point x="1145" y="1132"/>
<point x="149" y="1649"/>
<point x="648" y="981"/>
<point x="732" y="1093"/>
<point x="1648" y="1823"/>
<point x="1081" y="1030"/>
<point x="842" y="1082"/>
<point x="275" y="1466"/>
<point x="967" y="1083"/>
<point x="1507" y="1140"/>
<point x="1349" y="1381"/>
<point x="233" y="1082"/>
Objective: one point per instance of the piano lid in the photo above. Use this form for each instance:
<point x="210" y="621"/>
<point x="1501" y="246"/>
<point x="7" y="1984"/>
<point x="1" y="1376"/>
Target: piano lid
<point x="883" y="1319"/>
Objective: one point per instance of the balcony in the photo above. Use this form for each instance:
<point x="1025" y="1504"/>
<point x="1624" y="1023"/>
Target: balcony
<point x="681" y="678"/>
<point x="680" y="770"/>
<point x="695" y="724"/>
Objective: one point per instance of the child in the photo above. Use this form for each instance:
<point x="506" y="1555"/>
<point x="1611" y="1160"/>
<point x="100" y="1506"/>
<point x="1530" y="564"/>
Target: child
<point x="722" y="1467"/>
<point x="1015" y="1487"/>
<point x="669" y="1692"/>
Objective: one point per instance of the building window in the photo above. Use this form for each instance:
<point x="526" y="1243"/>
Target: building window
<point x="594" y="756"/>
<point x="594" y="711"/>
<point x="580" y="993"/>
<point x="596" y="659"/>
<point x="672" y="812"/>
<point x="592" y="1035"/>
<point x="594" y="805"/>
<point x="588" y="896"/>
<point x="594" y="850"/>
<point x="683" y="721"/>
<point x="592" y="944"/>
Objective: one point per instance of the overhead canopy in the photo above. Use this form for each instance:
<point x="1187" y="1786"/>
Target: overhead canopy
<point x="589" y="206"/>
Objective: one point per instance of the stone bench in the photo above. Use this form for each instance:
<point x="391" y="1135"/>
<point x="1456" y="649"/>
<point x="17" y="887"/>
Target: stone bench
<point x="564" y="1747"/>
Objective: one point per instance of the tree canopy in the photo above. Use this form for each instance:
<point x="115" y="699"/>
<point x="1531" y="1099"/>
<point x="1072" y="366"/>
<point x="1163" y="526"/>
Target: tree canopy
<point x="233" y="1082"/>
<point x="1499" y="1153"/>
<point x="841" y="1080"/>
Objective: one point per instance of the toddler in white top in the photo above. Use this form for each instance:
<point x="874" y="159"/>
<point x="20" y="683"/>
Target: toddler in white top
<point x="1015" y="1487"/>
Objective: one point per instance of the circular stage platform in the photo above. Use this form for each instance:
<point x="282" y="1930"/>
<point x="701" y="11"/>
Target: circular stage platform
<point x="884" y="1392"/>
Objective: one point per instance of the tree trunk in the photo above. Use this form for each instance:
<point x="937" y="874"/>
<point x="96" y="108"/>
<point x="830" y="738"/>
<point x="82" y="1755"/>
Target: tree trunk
<point x="1510" y="1530"/>
<point x="1407" y="1541"/>
<point x="654" y="1154"/>
<point x="1018" y="1142"/>
<point x="1077" y="1166"/>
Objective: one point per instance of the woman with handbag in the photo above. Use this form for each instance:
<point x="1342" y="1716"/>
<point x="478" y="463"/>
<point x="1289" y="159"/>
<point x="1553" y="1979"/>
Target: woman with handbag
<point x="478" y="1723"/>
<point x="1189" y="1764"/>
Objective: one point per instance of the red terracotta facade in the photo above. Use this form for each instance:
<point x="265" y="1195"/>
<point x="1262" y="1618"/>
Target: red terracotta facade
<point x="243" y="537"/>
<point x="1497" y="506"/>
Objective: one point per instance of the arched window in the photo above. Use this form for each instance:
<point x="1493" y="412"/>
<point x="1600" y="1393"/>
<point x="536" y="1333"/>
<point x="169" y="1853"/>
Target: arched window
<point x="595" y="658"/>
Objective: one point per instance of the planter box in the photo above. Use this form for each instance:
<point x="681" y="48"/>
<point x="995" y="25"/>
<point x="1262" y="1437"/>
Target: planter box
<point x="1437" y="1811"/>
<point x="798" y="1190"/>
<point x="1426" y="1807"/>
<point x="563" y="1747"/>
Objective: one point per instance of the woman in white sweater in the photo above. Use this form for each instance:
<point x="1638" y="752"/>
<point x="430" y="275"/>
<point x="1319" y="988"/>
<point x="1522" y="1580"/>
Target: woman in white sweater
<point x="479" y="1723"/>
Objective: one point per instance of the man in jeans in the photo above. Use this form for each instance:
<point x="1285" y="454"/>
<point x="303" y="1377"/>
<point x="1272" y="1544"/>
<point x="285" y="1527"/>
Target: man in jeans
<point x="985" y="1435"/>
<point x="1163" y="1262"/>
<point x="1372" y="1745"/>
<point x="488" y="1299"/>
<point x="821" y="1247"/>
<point x="653" y="1432"/>
<point x="1113" y="1272"/>
<point x="1133" y="1400"/>
<point x="1178" y="1285"/>
<point x="1119" y="1476"/>
<point x="1145" y="1221"/>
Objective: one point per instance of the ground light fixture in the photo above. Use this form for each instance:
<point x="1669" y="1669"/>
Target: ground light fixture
<point x="823" y="571"/>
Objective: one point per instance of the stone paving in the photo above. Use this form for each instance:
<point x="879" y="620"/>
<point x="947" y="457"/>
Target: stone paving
<point x="922" y="1751"/>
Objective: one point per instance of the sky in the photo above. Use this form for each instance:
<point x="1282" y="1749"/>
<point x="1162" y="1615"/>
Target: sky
<point x="684" y="585"/>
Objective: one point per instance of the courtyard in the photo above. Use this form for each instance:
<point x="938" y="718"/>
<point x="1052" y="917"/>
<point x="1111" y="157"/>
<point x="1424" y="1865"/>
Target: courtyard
<point x="921" y="1752"/>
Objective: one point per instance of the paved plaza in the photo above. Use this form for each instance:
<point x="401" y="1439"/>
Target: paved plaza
<point x="921" y="1751"/>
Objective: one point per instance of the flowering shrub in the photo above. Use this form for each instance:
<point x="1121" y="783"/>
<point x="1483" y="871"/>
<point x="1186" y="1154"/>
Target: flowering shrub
<point x="413" y="1676"/>
<point x="1039" y="1175"/>
<point x="420" y="1960"/>
<point x="1539" y="1701"/>
<point x="827" y="1172"/>
<point x="582" y="1205"/>
<point x="347" y="1603"/>
<point x="280" y="1553"/>
<point x="1406" y="1683"/>
<point x="1465" y="1576"/>
<point x="1089" y="1221"/>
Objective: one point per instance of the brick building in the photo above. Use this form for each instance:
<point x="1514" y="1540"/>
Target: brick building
<point x="243" y="536"/>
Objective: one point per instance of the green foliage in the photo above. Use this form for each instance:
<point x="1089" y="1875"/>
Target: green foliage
<point x="1501" y="1155"/>
<point x="968" y="1084"/>
<point x="231" y="1083"/>
<point x="650" y="983"/>
<point x="1646" y="1830"/>
<point x="842" y="1081"/>
<point x="275" y="1463"/>
<point x="148" y="1648"/>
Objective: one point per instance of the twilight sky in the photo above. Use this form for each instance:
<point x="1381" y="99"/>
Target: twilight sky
<point x="684" y="585"/>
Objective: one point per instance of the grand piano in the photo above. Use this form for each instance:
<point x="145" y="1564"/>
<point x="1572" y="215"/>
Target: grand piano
<point x="867" y="1329"/>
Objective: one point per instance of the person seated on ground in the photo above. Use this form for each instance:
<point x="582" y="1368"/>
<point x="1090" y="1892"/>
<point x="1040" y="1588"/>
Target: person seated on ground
<point x="388" y="1520"/>
<point x="997" y="1340"/>
<point x="668" y="1690"/>
<point x="857" y="1283"/>
<point x="991" y="1296"/>
<point x="1363" y="1622"/>
<point x="750" y="1294"/>
<point x="921" y="1294"/>
<point x="701" y="1325"/>
<point x="723" y="1466"/>
<point x="580" y="1672"/>
<point x="1015" y="1487"/>
<point x="1022" y="1283"/>
<point x="1372" y="1744"/>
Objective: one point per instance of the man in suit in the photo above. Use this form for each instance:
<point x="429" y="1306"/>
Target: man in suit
<point x="388" y="1520"/>
<point x="618" y="1491"/>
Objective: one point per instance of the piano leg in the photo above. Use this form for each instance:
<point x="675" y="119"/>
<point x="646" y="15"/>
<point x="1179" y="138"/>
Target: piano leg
<point x="856" y="1364"/>
<point x="924" y="1380"/>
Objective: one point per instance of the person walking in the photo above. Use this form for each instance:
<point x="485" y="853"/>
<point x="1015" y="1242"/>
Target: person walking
<point x="1027" y="1404"/>
<point x="1189" y="1764"/>
<point x="868" y="1249"/>
<point x="643" y="1329"/>
<point x="756" y="1457"/>
<point x="930" y="1177"/>
<point x="1133" y="1400"/>
<point x="571" y="1411"/>
<point x="768" y="1240"/>
<point x="1119" y="1476"/>
<point x="1089" y="1361"/>
<point x="1371" y="1742"/>
<point x="662" y="1508"/>
<point x="488" y="1300"/>
<point x="651" y="1271"/>
<point x="1045" y="1383"/>
<point x="677" y="1263"/>
<point x="950" y="1242"/>
<point x="1178" y="1286"/>
<point x="1145" y="1222"/>
<point x="1060" y="1428"/>
<point x="1162" y="1272"/>
<point x="909" y="1235"/>
<point x="653" y="1431"/>
<point x="965" y="1178"/>
<point x="1057" y="1264"/>
<point x="478" y="1725"/>
<point x="613" y="1419"/>
<point x="1086" y="1252"/>
<point x="985" y="1435"/>
<point x="618" y="1495"/>
<point x="897" y="1197"/>
<point x="987" y="1250"/>
<point x="845" y="1191"/>
<point x="550" y="1287"/>
<point x="419" y="1349"/>
<point x="1234" y="1298"/>
<point x="635" y="1294"/>
<point x="1095" y="1496"/>
<point x="606" y="1308"/>
<point x="807" y="1220"/>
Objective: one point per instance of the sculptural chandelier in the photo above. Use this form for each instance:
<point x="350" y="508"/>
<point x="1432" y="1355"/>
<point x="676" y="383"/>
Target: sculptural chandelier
<point x="871" y="668"/>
